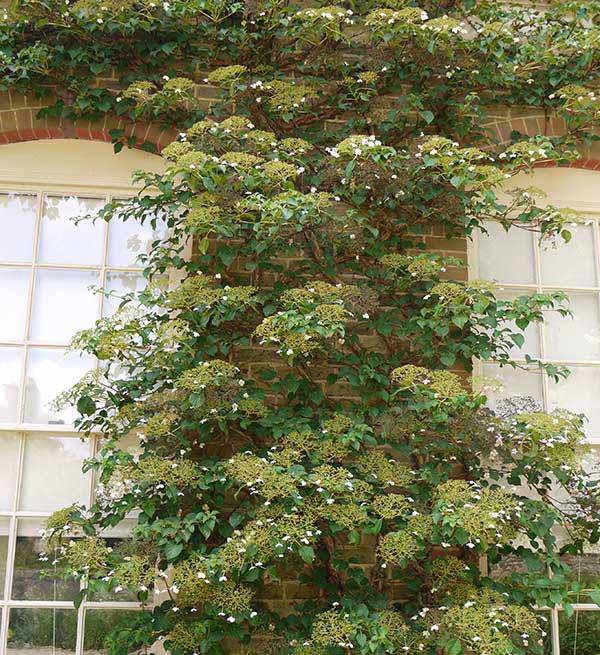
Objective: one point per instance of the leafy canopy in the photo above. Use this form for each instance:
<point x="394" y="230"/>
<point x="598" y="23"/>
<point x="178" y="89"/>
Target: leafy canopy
<point x="296" y="403"/>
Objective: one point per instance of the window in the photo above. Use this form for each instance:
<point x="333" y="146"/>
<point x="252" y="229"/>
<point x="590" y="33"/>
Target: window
<point x="47" y="266"/>
<point x="521" y="265"/>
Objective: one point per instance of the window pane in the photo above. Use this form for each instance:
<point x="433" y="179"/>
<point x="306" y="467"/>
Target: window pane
<point x="49" y="372"/>
<point x="580" y="633"/>
<point x="120" y="283"/>
<point x="10" y="380"/>
<point x="506" y="256"/>
<point x="17" y="223"/>
<point x="14" y="291"/>
<point x="4" y="533"/>
<point x="52" y="476"/>
<point x="532" y="333"/>
<point x="63" y="304"/>
<point x="98" y="623"/>
<point x="35" y="578"/>
<point x="578" y="337"/>
<point x="515" y="382"/>
<point x="118" y="537"/>
<point x="64" y="242"/>
<point x="570" y="264"/>
<point x="129" y="239"/>
<point x="9" y="457"/>
<point x="585" y="569"/>
<point x="546" y="626"/>
<point x="579" y="393"/>
<point x="42" y="630"/>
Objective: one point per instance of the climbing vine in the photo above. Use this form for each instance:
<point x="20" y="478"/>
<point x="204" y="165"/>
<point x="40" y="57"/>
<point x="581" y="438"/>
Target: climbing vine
<point x="299" y="403"/>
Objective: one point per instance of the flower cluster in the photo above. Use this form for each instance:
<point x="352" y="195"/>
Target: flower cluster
<point x="486" y="514"/>
<point x="88" y="554"/>
<point x="558" y="437"/>
<point x="200" y="292"/>
<point x="227" y="75"/>
<point x="423" y="266"/>
<point x="260" y="477"/>
<point x="398" y="548"/>
<point x="208" y="374"/>
<point x="376" y="465"/>
<point x="442" y="385"/>
<point x="158" y="472"/>
<point x="491" y="626"/>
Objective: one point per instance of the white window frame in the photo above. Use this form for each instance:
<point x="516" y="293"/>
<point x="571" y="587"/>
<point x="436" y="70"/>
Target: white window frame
<point x="590" y="209"/>
<point x="22" y="166"/>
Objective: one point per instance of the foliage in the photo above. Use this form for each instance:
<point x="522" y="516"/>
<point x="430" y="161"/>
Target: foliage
<point x="291" y="399"/>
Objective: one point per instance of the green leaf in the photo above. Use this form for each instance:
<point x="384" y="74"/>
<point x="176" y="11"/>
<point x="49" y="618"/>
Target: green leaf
<point x="203" y="245"/>
<point x="454" y="647"/>
<point x="173" y="550"/>
<point x="79" y="597"/>
<point x="235" y="519"/>
<point x="427" y="116"/>
<point x="594" y="594"/>
<point x="306" y="553"/>
<point x="86" y="405"/>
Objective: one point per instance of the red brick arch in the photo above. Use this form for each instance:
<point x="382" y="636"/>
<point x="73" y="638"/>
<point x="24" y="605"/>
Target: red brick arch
<point x="19" y="122"/>
<point x="584" y="163"/>
<point x="531" y="123"/>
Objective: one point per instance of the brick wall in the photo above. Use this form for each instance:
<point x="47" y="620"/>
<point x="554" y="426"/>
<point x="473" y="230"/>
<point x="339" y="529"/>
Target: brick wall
<point x="19" y="122"/>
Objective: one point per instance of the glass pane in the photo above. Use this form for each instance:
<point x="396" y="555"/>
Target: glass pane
<point x="14" y="291"/>
<point x="120" y="283"/>
<point x="575" y="338"/>
<point x="10" y="380"/>
<point x="532" y="333"/>
<point x="4" y="533"/>
<point x="98" y="623"/>
<point x="17" y="223"/>
<point x="35" y="578"/>
<point x="49" y="372"/>
<point x="129" y="239"/>
<point x="118" y="538"/>
<point x="585" y="569"/>
<point x="64" y="242"/>
<point x="9" y="457"/>
<point x="514" y="382"/>
<point x="546" y="626"/>
<point x="570" y="264"/>
<point x="579" y="393"/>
<point x="580" y="633"/>
<point x="63" y="304"/>
<point x="42" y="489"/>
<point x="506" y="256"/>
<point x="42" y="630"/>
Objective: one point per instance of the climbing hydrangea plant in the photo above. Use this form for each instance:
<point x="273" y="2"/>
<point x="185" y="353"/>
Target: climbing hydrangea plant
<point x="299" y="401"/>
